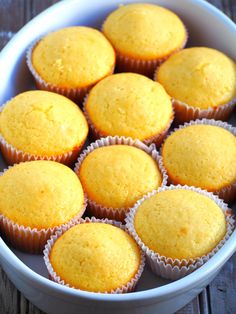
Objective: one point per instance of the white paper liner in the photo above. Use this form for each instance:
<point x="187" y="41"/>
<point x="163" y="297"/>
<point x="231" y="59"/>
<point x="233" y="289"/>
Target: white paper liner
<point x="145" y="67"/>
<point x="126" y="63"/>
<point x="13" y="155"/>
<point x="174" y="268"/>
<point x="186" y="113"/>
<point x="97" y="134"/>
<point x="75" y="94"/>
<point x="98" y="210"/>
<point x="130" y="286"/>
<point x="227" y="193"/>
<point x="32" y="240"/>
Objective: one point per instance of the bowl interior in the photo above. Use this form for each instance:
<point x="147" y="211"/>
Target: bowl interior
<point x="206" y="26"/>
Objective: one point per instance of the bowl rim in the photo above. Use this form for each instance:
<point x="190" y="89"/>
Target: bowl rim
<point x="173" y="288"/>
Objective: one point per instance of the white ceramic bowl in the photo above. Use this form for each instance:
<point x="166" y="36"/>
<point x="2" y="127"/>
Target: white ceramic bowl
<point x="207" y="26"/>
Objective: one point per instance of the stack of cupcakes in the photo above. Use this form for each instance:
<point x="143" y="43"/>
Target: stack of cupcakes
<point x="169" y="206"/>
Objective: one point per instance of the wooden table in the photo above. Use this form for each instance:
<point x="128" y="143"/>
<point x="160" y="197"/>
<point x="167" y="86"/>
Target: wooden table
<point x="220" y="296"/>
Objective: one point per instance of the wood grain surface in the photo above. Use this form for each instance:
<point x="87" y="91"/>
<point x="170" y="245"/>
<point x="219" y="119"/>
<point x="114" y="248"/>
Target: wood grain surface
<point x="220" y="296"/>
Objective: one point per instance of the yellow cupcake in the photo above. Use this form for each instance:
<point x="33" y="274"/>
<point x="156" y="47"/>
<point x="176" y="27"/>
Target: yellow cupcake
<point x="180" y="224"/>
<point x="201" y="155"/>
<point x="200" y="77"/>
<point x="72" y="58"/>
<point x="43" y="124"/>
<point x="95" y="257"/>
<point x="40" y="194"/>
<point x="144" y="32"/>
<point x="116" y="176"/>
<point x="36" y="198"/>
<point x="131" y="105"/>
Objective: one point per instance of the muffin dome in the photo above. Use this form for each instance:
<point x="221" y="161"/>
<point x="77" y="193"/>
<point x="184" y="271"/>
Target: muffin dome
<point x="130" y="105"/>
<point x="73" y="57"/>
<point x="117" y="176"/>
<point x="200" y="77"/>
<point x="180" y="224"/>
<point x="96" y="257"/>
<point x="43" y="123"/>
<point x="144" y="31"/>
<point x="201" y="155"/>
<point x="40" y="194"/>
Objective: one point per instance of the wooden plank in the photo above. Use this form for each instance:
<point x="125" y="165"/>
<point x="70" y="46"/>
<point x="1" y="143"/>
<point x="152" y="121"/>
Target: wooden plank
<point x="229" y="7"/>
<point x="222" y="291"/>
<point x="192" y="307"/>
<point x="203" y="302"/>
<point x="39" y="6"/>
<point x="24" y="305"/>
<point x="217" y="3"/>
<point x="9" y="296"/>
<point x="12" y="19"/>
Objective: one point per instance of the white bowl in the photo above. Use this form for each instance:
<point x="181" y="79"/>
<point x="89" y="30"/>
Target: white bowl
<point x="207" y="26"/>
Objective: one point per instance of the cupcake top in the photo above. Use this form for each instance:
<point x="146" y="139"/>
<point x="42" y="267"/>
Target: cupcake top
<point x="180" y="224"/>
<point x="201" y="155"/>
<point x="118" y="175"/>
<point x="103" y="259"/>
<point x="73" y="57"/>
<point x="144" y="31"/>
<point x="43" y="123"/>
<point x="40" y="194"/>
<point x="129" y="104"/>
<point x="200" y="77"/>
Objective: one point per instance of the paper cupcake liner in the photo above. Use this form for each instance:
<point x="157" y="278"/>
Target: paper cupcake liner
<point x="227" y="193"/>
<point x="186" y="113"/>
<point x="27" y="239"/>
<point x="98" y="210"/>
<point x="174" y="268"/>
<point x="97" y="134"/>
<point x="130" y="286"/>
<point x="144" y="67"/>
<point x="13" y="155"/>
<point x="76" y="94"/>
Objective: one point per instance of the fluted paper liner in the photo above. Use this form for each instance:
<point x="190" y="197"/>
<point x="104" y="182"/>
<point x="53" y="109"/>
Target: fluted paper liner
<point x="174" y="268"/>
<point x="31" y="240"/>
<point x="130" y="286"/>
<point x="97" y="134"/>
<point x="98" y="210"/>
<point x="125" y="63"/>
<point x="76" y="94"/>
<point x="186" y="113"/>
<point x="13" y="155"/>
<point x="227" y="193"/>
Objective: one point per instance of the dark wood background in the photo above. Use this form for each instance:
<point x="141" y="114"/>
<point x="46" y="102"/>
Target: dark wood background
<point x="220" y="296"/>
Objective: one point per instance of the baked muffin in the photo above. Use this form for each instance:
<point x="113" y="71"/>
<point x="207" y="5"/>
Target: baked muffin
<point x="144" y="35"/>
<point x="37" y="197"/>
<point x="115" y="172"/>
<point x="71" y="60"/>
<point x="193" y="78"/>
<point x="179" y="228"/>
<point x="95" y="256"/>
<point x="41" y="125"/>
<point x="131" y="105"/>
<point x="203" y="154"/>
